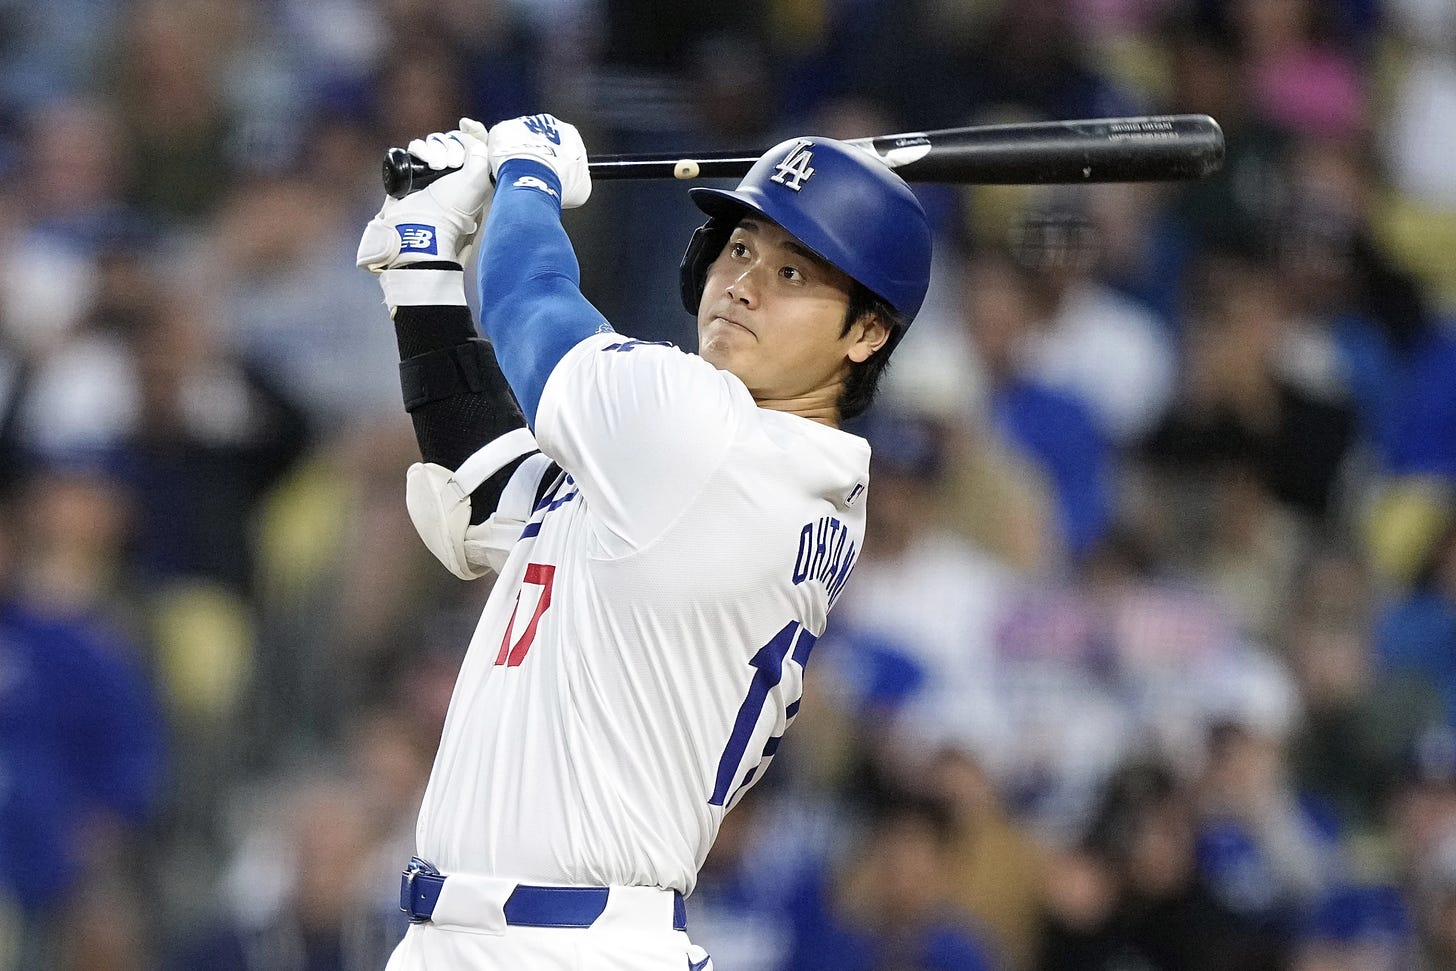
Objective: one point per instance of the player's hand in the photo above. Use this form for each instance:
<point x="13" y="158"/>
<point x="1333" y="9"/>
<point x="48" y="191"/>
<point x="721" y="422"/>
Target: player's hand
<point x="439" y="221"/>
<point x="550" y="141"/>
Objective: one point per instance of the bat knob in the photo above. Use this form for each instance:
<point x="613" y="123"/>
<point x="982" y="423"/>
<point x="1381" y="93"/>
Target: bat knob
<point x="403" y="173"/>
<point x="686" y="169"/>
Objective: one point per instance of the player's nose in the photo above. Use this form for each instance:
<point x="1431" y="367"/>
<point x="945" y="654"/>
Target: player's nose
<point x="742" y="288"/>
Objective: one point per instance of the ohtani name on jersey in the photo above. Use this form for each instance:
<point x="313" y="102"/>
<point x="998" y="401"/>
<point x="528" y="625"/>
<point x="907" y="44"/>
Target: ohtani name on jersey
<point x="826" y="553"/>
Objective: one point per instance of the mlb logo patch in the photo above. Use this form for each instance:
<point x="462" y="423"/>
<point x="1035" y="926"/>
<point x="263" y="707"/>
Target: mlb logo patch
<point x="417" y="238"/>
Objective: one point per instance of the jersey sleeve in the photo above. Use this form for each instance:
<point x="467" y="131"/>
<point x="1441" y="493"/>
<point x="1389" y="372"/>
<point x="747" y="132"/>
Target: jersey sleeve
<point x="640" y="426"/>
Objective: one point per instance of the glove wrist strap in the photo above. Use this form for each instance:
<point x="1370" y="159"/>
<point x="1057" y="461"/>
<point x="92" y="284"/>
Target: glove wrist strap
<point x="420" y="287"/>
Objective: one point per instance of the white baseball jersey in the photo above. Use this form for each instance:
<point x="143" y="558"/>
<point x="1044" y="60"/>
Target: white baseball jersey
<point x="644" y="647"/>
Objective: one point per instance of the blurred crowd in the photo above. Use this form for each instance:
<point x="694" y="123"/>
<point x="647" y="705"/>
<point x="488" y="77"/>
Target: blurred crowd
<point x="1150" y="663"/>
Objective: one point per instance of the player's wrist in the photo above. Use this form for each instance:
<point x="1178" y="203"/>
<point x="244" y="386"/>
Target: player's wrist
<point x="438" y="284"/>
<point x="395" y="240"/>
<point x="548" y="142"/>
<point x="530" y="172"/>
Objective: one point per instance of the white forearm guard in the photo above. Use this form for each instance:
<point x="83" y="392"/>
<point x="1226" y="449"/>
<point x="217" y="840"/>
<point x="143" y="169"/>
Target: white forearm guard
<point x="439" y="505"/>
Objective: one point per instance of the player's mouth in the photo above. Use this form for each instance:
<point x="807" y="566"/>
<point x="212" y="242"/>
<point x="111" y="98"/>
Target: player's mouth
<point x="735" y="323"/>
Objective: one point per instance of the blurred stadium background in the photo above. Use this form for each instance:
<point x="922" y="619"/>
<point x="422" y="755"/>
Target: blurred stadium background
<point x="1151" y="662"/>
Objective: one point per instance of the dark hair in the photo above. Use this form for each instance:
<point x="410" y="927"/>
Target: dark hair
<point x="863" y="381"/>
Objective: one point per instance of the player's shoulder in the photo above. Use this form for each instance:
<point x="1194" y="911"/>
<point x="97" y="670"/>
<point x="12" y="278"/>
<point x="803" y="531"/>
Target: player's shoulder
<point x="652" y="370"/>
<point x="608" y="349"/>
<point x="643" y="410"/>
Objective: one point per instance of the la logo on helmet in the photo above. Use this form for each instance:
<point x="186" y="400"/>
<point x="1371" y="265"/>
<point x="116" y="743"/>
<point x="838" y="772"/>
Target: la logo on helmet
<point x="794" y="170"/>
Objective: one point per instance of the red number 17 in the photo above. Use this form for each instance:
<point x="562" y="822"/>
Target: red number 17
<point x="540" y="574"/>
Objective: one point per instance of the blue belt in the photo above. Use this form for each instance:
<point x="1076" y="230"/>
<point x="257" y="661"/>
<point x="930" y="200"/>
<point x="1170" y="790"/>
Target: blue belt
<point x="527" y="906"/>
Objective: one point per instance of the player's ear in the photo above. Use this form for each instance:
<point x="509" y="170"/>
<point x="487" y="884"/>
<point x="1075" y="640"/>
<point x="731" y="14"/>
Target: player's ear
<point x="869" y="333"/>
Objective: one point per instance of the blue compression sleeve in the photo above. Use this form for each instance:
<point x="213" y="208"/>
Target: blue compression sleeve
<point x="531" y="304"/>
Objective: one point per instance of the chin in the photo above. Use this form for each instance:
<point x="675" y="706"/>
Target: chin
<point x="716" y="350"/>
<point x="723" y="358"/>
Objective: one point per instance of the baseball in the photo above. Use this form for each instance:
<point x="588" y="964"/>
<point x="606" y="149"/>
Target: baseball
<point x="685" y="169"/>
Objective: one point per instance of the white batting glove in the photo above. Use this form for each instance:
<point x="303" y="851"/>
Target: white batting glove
<point x="439" y="221"/>
<point x="550" y="141"/>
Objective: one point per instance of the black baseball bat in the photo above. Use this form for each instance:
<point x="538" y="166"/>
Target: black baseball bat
<point x="1155" y="148"/>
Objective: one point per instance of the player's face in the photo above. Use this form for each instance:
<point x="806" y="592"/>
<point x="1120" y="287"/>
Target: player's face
<point x="773" y="314"/>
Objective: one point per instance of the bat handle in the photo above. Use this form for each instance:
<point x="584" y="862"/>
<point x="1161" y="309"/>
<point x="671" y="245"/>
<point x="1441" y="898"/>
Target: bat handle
<point x="405" y="173"/>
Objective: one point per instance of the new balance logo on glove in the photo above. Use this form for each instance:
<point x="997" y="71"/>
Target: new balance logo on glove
<point x="544" y="125"/>
<point x="417" y="238"/>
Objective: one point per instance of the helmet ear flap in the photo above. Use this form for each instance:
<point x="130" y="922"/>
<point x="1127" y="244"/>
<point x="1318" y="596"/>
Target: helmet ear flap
<point x="707" y="242"/>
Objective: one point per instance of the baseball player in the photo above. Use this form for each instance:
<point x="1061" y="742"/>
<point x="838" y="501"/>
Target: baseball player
<point x="669" y="530"/>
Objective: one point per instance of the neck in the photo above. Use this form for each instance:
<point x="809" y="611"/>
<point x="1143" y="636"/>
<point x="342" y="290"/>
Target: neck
<point x="824" y="411"/>
<point x="819" y="404"/>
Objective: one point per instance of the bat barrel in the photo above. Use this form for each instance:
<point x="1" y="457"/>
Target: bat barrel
<point x="1152" y="149"/>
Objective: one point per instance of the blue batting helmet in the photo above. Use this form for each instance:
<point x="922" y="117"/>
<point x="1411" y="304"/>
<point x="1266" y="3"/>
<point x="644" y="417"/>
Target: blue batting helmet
<point x="837" y="200"/>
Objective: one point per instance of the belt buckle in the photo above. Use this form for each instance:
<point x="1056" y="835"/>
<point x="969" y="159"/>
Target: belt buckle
<point x="407" y="887"/>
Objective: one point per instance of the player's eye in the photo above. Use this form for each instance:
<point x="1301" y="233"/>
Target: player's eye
<point x="737" y="250"/>
<point x="792" y="273"/>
